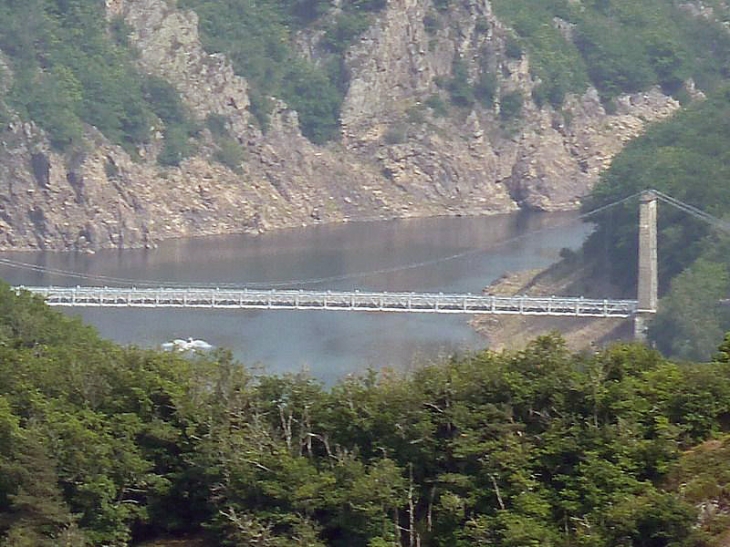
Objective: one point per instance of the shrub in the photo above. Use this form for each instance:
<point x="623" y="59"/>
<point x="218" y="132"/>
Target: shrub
<point x="460" y="91"/>
<point x="230" y="154"/>
<point x="178" y="146"/>
<point x="437" y="105"/>
<point x="395" y="134"/>
<point x="486" y="89"/>
<point x="346" y="28"/>
<point x="512" y="48"/>
<point x="431" y="24"/>
<point x="216" y="124"/>
<point x="165" y="100"/>
<point x="510" y="105"/>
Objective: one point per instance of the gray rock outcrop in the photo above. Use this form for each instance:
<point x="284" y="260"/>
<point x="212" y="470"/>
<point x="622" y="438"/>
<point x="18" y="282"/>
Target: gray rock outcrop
<point x="397" y="156"/>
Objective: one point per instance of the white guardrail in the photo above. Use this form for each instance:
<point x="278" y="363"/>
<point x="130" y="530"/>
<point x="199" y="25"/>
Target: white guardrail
<point x="331" y="300"/>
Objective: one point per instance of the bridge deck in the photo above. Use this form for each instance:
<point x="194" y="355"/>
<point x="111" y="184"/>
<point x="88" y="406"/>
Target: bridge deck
<point x="331" y="300"/>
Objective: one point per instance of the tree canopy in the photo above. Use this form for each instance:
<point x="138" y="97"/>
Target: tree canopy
<point x="107" y="445"/>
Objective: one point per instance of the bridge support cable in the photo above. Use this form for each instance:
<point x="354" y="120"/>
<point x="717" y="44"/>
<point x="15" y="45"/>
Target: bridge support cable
<point x="694" y="211"/>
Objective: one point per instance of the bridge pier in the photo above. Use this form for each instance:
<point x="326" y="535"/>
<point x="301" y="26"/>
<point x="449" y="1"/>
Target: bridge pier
<point x="648" y="271"/>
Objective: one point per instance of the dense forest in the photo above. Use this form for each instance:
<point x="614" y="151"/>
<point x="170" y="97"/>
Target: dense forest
<point x="107" y="445"/>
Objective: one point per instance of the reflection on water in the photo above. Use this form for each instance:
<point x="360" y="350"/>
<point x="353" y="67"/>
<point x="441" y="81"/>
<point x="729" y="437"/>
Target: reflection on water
<point x="453" y="254"/>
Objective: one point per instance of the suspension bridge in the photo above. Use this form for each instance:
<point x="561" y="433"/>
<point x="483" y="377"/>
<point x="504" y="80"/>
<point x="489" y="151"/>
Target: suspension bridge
<point x="642" y="309"/>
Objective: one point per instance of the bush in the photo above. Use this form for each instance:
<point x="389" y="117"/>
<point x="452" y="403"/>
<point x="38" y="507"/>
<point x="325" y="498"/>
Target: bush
<point x="616" y="63"/>
<point x="459" y="88"/>
<point x="431" y="24"/>
<point x="442" y="5"/>
<point x="395" y="134"/>
<point x="486" y="89"/>
<point x="437" y="105"/>
<point x="165" y="100"/>
<point x="316" y="99"/>
<point x="216" y="124"/>
<point x="230" y="154"/>
<point x="512" y="48"/>
<point x="178" y="146"/>
<point x="346" y="28"/>
<point x="365" y="5"/>
<point x="256" y="36"/>
<point x="510" y="105"/>
<point x="304" y="12"/>
<point x="71" y="69"/>
<point x="415" y="114"/>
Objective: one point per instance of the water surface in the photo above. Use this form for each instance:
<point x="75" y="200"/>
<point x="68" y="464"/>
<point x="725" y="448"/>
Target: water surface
<point x="436" y="255"/>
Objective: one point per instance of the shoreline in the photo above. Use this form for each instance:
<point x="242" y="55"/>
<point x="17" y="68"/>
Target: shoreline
<point x="513" y="332"/>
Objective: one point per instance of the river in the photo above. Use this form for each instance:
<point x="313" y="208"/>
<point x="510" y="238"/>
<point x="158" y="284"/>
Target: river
<point x="450" y="254"/>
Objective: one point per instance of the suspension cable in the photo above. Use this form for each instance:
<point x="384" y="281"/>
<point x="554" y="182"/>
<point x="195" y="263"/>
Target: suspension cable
<point x="693" y="211"/>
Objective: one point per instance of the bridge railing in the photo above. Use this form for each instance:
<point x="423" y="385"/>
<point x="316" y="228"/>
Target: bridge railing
<point x="332" y="300"/>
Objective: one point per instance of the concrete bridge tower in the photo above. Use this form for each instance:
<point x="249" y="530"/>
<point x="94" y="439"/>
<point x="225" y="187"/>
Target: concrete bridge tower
<point x="648" y="277"/>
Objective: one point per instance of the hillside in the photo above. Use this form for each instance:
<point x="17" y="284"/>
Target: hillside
<point x="686" y="157"/>
<point x="134" y="121"/>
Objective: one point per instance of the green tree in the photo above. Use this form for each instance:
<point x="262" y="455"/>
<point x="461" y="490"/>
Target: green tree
<point x="688" y="324"/>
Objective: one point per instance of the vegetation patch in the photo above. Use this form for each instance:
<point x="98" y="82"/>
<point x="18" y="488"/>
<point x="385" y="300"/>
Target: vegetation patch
<point x="619" y="46"/>
<point x="257" y="37"/>
<point x="686" y="157"/>
<point x="68" y="72"/>
<point x="105" y="445"/>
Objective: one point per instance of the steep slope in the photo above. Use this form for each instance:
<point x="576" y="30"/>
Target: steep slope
<point x="402" y="152"/>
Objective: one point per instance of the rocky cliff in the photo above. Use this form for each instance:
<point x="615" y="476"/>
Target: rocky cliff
<point x="397" y="155"/>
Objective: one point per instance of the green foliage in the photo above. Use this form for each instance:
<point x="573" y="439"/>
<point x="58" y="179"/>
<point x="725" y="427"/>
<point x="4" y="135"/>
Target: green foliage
<point x="703" y="474"/>
<point x="688" y="324"/>
<point x="256" y="37"/>
<point x="304" y="12"/>
<point x="437" y="105"/>
<point x="485" y="90"/>
<point x="555" y="61"/>
<point x="217" y="125"/>
<point x="230" y="154"/>
<point x="462" y="92"/>
<point x="229" y="151"/>
<point x="618" y="45"/>
<point x="431" y="24"/>
<point x="510" y="105"/>
<point x="103" y="445"/>
<point x="459" y="88"/>
<point x="310" y="92"/>
<point x="685" y="157"/>
<point x="180" y="131"/>
<point x="178" y="145"/>
<point x="396" y="134"/>
<point x="442" y="5"/>
<point x="165" y="101"/>
<point x="512" y="48"/>
<point x="69" y="72"/>
<point x="345" y="29"/>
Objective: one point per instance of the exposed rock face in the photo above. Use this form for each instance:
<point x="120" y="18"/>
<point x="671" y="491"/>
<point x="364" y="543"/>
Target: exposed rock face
<point x="557" y="163"/>
<point x="396" y="157"/>
<point x="543" y="162"/>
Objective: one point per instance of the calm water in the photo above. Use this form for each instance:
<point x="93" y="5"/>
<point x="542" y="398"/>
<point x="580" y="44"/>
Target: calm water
<point x="455" y="255"/>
